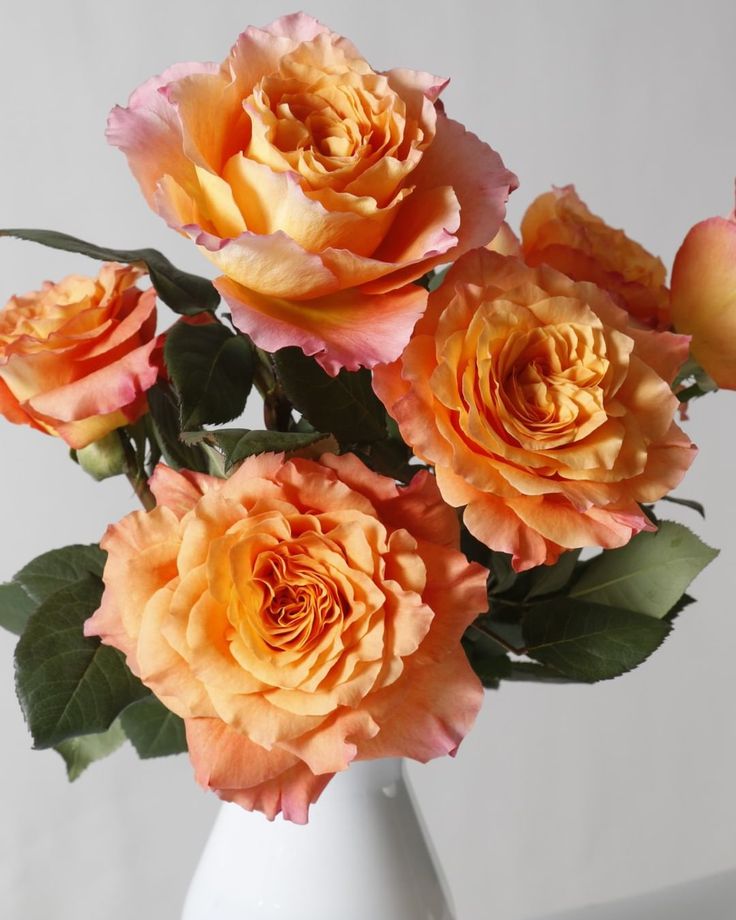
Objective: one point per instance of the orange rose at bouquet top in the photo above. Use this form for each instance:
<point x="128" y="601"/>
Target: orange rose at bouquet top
<point x="704" y="297"/>
<point x="299" y="615"/>
<point x="319" y="188"/>
<point x="559" y="230"/>
<point x="75" y="357"/>
<point x="543" y="409"/>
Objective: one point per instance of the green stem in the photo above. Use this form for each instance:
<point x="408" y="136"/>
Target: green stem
<point x="276" y="407"/>
<point x="133" y="469"/>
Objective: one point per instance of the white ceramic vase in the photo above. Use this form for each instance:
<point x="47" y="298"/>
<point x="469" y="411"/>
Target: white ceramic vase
<point x="363" y="856"/>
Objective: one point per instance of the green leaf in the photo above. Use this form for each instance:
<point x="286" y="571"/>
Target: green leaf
<point x="649" y="574"/>
<point x="685" y="601"/>
<point x="476" y="551"/>
<point x="532" y="672"/>
<point x="80" y="752"/>
<point x="59" y="568"/>
<point x="389" y="457"/>
<point x="15" y="607"/>
<point x="29" y="587"/>
<point x="212" y="371"/>
<point x="163" y="418"/>
<point x="550" y="579"/>
<point x="184" y="293"/>
<point x="68" y="684"/>
<point x="503" y="625"/>
<point x="590" y="642"/>
<point x="692" y="381"/>
<point x="503" y="576"/>
<point x="345" y="405"/>
<point x="487" y="658"/>
<point x="153" y="729"/>
<point x="239" y="443"/>
<point x="438" y="278"/>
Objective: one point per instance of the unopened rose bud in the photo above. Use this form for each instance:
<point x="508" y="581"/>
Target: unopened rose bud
<point x="104" y="458"/>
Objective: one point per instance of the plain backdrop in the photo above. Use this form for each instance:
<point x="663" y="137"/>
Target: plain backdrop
<point x="562" y="796"/>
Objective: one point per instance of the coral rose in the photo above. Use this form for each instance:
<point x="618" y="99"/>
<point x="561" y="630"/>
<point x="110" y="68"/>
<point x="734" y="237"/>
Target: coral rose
<point x="560" y="231"/>
<point x="543" y="410"/>
<point x="75" y="357"/>
<point x="298" y="616"/>
<point x="704" y="297"/>
<point x="318" y="187"/>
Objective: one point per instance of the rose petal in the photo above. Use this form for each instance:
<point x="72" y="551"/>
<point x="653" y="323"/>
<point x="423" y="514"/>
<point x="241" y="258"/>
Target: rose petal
<point x="349" y="329"/>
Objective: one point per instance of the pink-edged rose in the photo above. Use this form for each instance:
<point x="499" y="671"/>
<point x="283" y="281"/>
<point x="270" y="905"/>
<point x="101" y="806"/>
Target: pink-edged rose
<point x="319" y="187"/>
<point x="76" y="356"/>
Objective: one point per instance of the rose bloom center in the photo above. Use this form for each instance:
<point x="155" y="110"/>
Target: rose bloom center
<point x="299" y="604"/>
<point x="327" y="131"/>
<point x="537" y="388"/>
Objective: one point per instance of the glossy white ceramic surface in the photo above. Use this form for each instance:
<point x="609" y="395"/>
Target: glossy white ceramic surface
<point x="363" y="856"/>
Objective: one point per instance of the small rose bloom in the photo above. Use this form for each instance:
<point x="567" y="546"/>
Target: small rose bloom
<point x="319" y="187"/>
<point x="560" y="231"/>
<point x="704" y="297"/>
<point x="543" y="409"/>
<point x="75" y="357"/>
<point x="299" y="615"/>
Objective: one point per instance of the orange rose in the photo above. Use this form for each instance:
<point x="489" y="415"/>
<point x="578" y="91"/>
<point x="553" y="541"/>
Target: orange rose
<point x="559" y="230"/>
<point x="704" y="297"/>
<point x="318" y="187"/>
<point x="75" y="357"/>
<point x="541" y="407"/>
<point x="298" y="616"/>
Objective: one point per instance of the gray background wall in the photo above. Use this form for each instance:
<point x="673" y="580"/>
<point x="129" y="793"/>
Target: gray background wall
<point x="561" y="796"/>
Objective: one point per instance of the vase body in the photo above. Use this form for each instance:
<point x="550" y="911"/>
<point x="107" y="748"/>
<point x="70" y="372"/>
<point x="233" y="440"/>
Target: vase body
<point x="363" y="856"/>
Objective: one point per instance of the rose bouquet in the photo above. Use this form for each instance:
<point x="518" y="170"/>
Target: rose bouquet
<point x="452" y="415"/>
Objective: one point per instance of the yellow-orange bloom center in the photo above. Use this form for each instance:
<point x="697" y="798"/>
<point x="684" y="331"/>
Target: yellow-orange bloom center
<point x="522" y="381"/>
<point x="300" y="602"/>
<point x="328" y="129"/>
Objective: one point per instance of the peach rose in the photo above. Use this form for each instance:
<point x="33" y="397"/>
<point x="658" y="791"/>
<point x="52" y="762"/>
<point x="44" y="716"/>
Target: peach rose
<point x="318" y="187"/>
<point x="75" y="357"/>
<point x="543" y="410"/>
<point x="506" y="242"/>
<point x="704" y="297"/>
<point x="560" y="231"/>
<point x="299" y="615"/>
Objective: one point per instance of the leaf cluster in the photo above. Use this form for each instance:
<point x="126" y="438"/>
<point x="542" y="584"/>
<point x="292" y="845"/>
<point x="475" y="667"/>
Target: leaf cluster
<point x="78" y="696"/>
<point x="585" y="621"/>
